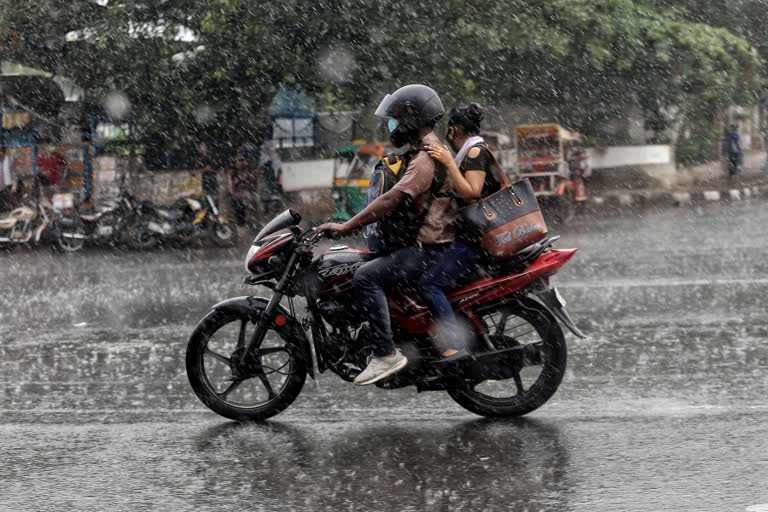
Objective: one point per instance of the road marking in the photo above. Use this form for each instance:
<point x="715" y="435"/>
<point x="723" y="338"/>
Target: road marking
<point x="665" y="283"/>
<point x="762" y="507"/>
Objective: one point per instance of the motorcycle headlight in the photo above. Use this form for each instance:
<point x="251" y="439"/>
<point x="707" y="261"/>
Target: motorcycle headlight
<point x="253" y="250"/>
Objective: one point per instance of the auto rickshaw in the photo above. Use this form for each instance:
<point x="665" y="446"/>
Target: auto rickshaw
<point x="554" y="160"/>
<point x="351" y="176"/>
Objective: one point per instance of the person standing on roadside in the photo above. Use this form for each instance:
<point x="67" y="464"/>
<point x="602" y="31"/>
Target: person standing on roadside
<point x="7" y="180"/>
<point x="270" y="188"/>
<point x="732" y="146"/>
<point x="242" y="186"/>
<point x="209" y="179"/>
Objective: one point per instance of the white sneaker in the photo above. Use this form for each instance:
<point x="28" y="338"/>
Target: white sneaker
<point x="381" y="367"/>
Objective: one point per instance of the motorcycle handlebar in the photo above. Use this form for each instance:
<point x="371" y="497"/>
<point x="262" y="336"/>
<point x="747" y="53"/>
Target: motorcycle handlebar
<point x="312" y="236"/>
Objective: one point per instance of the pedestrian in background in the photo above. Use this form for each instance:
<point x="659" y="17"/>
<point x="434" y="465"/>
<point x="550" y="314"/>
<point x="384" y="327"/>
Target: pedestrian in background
<point x="52" y="166"/>
<point x="732" y="148"/>
<point x="243" y="186"/>
<point x="270" y="188"/>
<point x="7" y="179"/>
<point x="209" y="179"/>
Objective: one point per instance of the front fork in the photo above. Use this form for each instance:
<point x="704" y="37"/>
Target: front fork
<point x="267" y="315"/>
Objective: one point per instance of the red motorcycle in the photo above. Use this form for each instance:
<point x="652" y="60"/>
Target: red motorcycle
<point x="249" y="356"/>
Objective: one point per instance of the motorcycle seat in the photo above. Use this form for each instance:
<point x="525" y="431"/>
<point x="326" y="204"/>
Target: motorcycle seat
<point x="513" y="264"/>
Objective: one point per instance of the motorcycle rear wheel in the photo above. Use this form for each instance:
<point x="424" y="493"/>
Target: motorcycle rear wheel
<point x="511" y="325"/>
<point x="231" y="400"/>
<point x="137" y="234"/>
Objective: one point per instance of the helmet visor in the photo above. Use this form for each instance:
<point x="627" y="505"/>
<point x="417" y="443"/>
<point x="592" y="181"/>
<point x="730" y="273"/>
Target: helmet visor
<point x="384" y="108"/>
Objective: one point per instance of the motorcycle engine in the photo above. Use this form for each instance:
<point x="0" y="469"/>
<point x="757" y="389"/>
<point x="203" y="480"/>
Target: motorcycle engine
<point x="347" y="342"/>
<point x="341" y="316"/>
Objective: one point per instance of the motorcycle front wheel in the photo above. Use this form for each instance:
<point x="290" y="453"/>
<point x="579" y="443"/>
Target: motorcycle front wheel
<point x="214" y="346"/>
<point x="537" y="371"/>
<point x="71" y="237"/>
<point x="223" y="235"/>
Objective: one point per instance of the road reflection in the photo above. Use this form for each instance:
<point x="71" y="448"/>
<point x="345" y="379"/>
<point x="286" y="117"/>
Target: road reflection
<point x="475" y="465"/>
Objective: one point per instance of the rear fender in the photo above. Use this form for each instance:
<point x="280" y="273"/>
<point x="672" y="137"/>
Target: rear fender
<point x="550" y="299"/>
<point x="490" y="289"/>
<point x="252" y="308"/>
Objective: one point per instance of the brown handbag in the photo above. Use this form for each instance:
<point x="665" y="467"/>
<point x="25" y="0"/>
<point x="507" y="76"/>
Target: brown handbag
<point x="506" y="221"/>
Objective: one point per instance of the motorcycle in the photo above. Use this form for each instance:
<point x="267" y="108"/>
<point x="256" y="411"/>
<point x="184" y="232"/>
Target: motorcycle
<point x="190" y="218"/>
<point x="249" y="357"/>
<point x="24" y="225"/>
<point x="119" y="223"/>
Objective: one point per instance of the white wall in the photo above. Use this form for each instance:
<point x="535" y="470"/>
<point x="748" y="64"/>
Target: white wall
<point x="307" y="174"/>
<point x="623" y="156"/>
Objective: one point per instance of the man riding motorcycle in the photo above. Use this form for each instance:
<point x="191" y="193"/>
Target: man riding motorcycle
<point x="411" y="113"/>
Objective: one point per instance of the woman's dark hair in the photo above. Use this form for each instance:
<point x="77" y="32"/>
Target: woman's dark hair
<point x="468" y="117"/>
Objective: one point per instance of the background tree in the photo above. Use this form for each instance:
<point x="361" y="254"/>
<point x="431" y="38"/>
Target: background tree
<point x="196" y="69"/>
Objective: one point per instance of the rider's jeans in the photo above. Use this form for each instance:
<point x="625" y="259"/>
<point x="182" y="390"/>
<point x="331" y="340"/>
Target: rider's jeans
<point x="460" y="258"/>
<point x="376" y="278"/>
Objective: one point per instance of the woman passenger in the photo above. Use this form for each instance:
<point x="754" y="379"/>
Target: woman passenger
<point x="472" y="172"/>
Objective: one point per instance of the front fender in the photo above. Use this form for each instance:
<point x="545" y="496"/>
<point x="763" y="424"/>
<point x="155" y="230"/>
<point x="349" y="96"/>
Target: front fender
<point x="252" y="307"/>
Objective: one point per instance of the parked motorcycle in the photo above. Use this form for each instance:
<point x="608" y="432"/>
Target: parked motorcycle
<point x="189" y="218"/>
<point x="25" y="225"/>
<point x="116" y="224"/>
<point x="248" y="358"/>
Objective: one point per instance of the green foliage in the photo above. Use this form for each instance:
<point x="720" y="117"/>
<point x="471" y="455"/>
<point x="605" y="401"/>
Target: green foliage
<point x="699" y="142"/>
<point x="586" y="62"/>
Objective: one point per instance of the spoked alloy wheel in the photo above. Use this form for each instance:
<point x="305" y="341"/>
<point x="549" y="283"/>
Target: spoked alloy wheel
<point x="536" y="365"/>
<point x="275" y="377"/>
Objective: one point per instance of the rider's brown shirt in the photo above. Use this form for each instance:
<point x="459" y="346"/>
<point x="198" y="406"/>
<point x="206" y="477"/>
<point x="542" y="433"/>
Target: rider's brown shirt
<point x="440" y="220"/>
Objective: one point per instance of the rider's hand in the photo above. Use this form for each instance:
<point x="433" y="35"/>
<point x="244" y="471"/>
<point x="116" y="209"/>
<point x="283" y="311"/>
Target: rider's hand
<point x="440" y="153"/>
<point x="332" y="229"/>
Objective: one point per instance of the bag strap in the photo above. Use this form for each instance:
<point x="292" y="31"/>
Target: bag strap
<point x="502" y="176"/>
<point x="503" y="181"/>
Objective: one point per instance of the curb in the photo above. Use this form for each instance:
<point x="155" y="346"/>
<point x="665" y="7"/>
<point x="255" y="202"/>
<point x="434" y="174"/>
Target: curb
<point x="666" y="198"/>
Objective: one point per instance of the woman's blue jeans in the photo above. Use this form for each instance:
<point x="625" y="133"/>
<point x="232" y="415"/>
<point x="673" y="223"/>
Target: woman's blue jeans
<point x="452" y="263"/>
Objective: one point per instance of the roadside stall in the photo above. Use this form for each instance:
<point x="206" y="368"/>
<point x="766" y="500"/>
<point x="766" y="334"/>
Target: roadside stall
<point x="554" y="160"/>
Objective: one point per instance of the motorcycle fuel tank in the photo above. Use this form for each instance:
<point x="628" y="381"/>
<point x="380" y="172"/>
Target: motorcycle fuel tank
<point x="336" y="266"/>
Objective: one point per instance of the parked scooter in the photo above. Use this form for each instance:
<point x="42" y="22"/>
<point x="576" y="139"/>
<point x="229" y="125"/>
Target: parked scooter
<point x="25" y="225"/>
<point x="191" y="219"/>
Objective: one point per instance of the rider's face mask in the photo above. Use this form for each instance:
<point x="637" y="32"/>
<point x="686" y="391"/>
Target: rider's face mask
<point x="392" y="124"/>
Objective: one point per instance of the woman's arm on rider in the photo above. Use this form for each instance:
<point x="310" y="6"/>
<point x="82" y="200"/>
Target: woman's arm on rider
<point x="469" y="185"/>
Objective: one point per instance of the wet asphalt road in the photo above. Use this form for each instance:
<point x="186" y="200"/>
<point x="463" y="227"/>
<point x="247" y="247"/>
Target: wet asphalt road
<point x="662" y="409"/>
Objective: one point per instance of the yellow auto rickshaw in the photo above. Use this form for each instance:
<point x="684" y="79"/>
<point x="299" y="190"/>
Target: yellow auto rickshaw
<point x="352" y="170"/>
